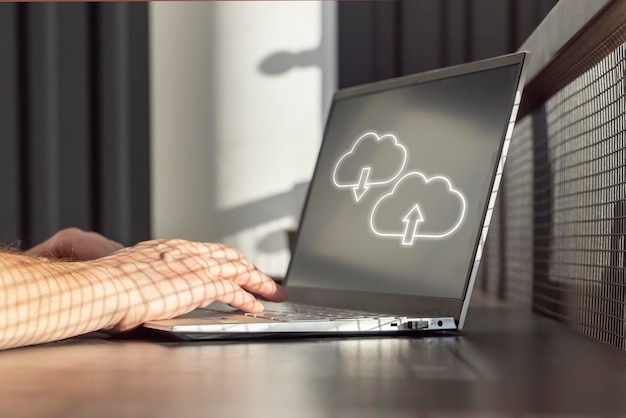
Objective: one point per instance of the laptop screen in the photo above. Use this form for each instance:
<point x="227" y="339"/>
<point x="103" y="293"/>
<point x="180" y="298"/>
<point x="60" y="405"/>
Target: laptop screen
<point x="401" y="186"/>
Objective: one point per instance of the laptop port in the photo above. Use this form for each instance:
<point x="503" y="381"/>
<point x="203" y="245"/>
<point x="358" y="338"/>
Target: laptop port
<point x="415" y="325"/>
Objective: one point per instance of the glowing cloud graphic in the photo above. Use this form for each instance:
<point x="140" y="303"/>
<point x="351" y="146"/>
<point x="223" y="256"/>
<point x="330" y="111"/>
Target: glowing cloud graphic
<point x="418" y="207"/>
<point x="373" y="160"/>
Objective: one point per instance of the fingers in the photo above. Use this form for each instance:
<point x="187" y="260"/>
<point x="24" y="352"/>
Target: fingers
<point x="247" y="276"/>
<point x="232" y="294"/>
<point x="240" y="270"/>
<point x="223" y="262"/>
<point x="258" y="283"/>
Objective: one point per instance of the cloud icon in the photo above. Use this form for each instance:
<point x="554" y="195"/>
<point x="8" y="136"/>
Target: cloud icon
<point x="418" y="207"/>
<point x="373" y="160"/>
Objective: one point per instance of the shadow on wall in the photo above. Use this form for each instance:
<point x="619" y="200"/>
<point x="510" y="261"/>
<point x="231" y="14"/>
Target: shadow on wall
<point x="287" y="204"/>
<point x="281" y="62"/>
<point x="262" y="211"/>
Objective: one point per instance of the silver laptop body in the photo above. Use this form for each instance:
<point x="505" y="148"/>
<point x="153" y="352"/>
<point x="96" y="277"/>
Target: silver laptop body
<point x="398" y="209"/>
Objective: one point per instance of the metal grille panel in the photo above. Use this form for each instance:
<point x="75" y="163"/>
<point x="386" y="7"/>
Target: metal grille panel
<point x="564" y="212"/>
<point x="585" y="133"/>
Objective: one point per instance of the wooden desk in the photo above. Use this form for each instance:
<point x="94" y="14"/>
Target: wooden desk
<point x="508" y="363"/>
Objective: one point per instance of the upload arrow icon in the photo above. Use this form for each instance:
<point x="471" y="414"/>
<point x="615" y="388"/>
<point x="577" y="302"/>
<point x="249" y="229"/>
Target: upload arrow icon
<point x="418" y="208"/>
<point x="411" y="221"/>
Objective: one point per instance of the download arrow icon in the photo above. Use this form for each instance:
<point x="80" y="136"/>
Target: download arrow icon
<point x="361" y="187"/>
<point x="412" y="218"/>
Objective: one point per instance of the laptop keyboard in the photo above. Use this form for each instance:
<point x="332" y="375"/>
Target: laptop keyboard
<point x="292" y="312"/>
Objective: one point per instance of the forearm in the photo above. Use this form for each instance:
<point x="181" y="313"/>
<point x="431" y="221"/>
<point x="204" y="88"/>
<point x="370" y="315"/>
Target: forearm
<point x="46" y="301"/>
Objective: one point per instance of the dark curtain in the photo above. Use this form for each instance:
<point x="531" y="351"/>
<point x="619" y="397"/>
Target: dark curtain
<point x="74" y="127"/>
<point x="382" y="39"/>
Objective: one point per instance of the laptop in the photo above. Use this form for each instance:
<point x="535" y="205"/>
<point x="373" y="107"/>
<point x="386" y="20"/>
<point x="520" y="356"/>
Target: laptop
<point x="398" y="208"/>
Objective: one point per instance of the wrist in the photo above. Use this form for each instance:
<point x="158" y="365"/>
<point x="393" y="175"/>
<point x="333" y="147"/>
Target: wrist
<point x="110" y="300"/>
<point x="122" y="294"/>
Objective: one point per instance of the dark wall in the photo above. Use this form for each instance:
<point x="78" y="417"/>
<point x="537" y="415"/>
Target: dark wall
<point x="74" y="127"/>
<point x="382" y="39"/>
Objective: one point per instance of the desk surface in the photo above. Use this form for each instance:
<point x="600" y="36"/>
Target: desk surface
<point x="508" y="363"/>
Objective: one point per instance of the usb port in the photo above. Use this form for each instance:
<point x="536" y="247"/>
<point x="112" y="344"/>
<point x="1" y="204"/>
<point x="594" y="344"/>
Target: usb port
<point x="415" y="325"/>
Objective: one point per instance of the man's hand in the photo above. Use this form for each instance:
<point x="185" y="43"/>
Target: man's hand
<point x="167" y="278"/>
<point x="51" y="300"/>
<point x="73" y="244"/>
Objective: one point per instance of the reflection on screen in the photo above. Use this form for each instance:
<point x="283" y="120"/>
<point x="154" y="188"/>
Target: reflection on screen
<point x="401" y="186"/>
